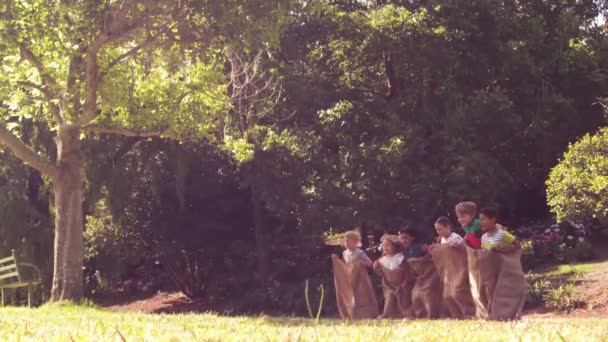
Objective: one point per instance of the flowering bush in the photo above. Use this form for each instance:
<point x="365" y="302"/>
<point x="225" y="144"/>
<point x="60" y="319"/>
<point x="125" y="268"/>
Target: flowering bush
<point x="566" y="242"/>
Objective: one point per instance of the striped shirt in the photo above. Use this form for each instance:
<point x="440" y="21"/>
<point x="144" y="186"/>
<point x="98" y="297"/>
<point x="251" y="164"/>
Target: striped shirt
<point x="499" y="238"/>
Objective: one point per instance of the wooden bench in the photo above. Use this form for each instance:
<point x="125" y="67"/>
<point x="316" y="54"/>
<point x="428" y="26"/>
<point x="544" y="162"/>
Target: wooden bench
<point x="14" y="275"/>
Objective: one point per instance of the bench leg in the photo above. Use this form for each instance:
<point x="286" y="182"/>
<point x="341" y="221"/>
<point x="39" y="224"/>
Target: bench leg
<point x="29" y="296"/>
<point x="2" y="294"/>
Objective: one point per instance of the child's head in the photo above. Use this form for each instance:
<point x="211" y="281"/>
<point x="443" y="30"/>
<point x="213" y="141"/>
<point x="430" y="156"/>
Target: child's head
<point x="487" y="218"/>
<point x="407" y="237"/>
<point x="466" y="212"/>
<point x="391" y="245"/>
<point x="351" y="240"/>
<point x="443" y="227"/>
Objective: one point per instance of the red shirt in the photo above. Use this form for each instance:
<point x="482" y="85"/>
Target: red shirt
<point x="472" y="240"/>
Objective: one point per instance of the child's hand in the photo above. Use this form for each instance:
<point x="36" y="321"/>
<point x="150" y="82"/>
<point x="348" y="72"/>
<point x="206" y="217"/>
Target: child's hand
<point x="376" y="265"/>
<point x="424" y="248"/>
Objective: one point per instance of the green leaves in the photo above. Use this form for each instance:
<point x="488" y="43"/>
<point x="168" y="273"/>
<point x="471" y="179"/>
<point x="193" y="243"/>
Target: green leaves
<point x="577" y="188"/>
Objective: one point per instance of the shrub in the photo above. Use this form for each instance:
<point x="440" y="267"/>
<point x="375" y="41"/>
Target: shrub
<point x="577" y="188"/>
<point x="538" y="288"/>
<point x="560" y="297"/>
<point x="557" y="243"/>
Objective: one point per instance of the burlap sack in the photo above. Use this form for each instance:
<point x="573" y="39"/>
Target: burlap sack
<point x="498" y="284"/>
<point x="355" y="294"/>
<point x="397" y="298"/>
<point x="426" y="298"/>
<point x="451" y="264"/>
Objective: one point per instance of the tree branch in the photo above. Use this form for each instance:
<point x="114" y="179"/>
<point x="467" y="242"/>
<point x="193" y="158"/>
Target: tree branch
<point x="48" y="97"/>
<point x="117" y="28"/>
<point x="26" y="154"/>
<point x="48" y="82"/>
<point x="167" y="133"/>
<point x="134" y="51"/>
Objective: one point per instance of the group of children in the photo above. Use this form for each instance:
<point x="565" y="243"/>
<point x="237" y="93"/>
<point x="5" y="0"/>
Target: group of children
<point x="480" y="233"/>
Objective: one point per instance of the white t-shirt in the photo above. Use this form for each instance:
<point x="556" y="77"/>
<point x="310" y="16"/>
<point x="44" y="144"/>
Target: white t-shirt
<point x="392" y="262"/>
<point x="453" y="240"/>
<point x="350" y="257"/>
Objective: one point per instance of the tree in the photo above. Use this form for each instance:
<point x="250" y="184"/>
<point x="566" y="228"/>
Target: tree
<point x="488" y="96"/>
<point x="87" y="67"/>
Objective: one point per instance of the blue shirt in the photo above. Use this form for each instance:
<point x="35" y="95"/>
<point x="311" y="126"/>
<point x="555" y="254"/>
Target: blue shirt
<point x="413" y="251"/>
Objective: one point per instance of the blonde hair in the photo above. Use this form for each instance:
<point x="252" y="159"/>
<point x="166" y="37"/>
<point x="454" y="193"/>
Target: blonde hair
<point x="352" y="236"/>
<point x="466" y="208"/>
<point x="393" y="240"/>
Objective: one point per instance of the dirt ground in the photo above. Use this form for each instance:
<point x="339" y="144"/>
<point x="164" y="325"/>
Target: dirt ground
<point x="162" y="302"/>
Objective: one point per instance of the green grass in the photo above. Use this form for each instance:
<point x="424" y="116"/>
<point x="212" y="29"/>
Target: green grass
<point x="579" y="268"/>
<point x="88" y="324"/>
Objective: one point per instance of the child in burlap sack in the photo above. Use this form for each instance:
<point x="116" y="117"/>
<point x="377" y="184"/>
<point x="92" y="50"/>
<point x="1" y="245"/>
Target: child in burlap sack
<point x="498" y="283"/>
<point x="397" y="279"/>
<point x="466" y="212"/>
<point x="355" y="295"/>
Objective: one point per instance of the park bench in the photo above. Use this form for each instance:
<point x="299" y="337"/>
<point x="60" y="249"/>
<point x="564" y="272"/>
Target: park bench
<point x="15" y="274"/>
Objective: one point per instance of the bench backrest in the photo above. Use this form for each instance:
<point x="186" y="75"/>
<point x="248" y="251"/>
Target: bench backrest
<point x="9" y="271"/>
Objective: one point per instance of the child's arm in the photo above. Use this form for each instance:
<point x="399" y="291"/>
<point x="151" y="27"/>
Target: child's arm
<point x="377" y="267"/>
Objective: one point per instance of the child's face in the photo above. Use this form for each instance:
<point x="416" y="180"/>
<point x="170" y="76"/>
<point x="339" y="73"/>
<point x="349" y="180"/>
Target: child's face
<point x="487" y="223"/>
<point x="443" y="231"/>
<point x="350" y="243"/>
<point x="464" y="219"/>
<point x="388" y="248"/>
<point x="406" y="239"/>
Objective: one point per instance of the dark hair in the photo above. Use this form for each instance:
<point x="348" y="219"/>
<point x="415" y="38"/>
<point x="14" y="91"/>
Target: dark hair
<point x="444" y="221"/>
<point x="489" y="212"/>
<point x="409" y="231"/>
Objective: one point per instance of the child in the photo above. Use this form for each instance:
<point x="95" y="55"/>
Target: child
<point x="395" y="279"/>
<point x="355" y="295"/>
<point x="494" y="237"/>
<point x="443" y="227"/>
<point x="352" y="254"/>
<point x="466" y="212"/>
<point x="498" y="283"/>
<point x="411" y="249"/>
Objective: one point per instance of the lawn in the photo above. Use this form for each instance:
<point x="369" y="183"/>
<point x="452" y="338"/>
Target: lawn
<point x="88" y="324"/>
<point x="580" y="268"/>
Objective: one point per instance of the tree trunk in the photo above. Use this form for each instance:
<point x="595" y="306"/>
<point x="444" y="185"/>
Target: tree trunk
<point x="69" y="222"/>
<point x="261" y="240"/>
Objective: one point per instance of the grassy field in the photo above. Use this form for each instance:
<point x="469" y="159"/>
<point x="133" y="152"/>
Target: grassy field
<point x="88" y="324"/>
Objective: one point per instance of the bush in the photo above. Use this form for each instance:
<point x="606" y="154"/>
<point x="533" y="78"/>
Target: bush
<point x="539" y="286"/>
<point x="560" y="298"/>
<point x="557" y="243"/>
<point x="577" y="188"/>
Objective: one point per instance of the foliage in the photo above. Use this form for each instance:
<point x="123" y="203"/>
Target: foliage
<point x="472" y="116"/>
<point x="560" y="298"/>
<point x="537" y="291"/>
<point x="557" y="243"/>
<point x="87" y="324"/>
<point x="577" y="188"/>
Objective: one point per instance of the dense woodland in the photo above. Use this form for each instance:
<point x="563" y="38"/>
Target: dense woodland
<point x="211" y="146"/>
